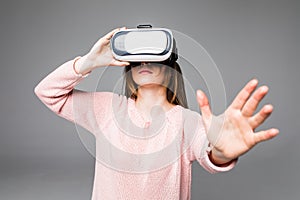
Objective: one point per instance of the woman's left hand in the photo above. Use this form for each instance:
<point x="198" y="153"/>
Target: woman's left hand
<point x="233" y="133"/>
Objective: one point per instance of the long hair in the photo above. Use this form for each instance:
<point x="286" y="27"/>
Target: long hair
<point x="173" y="82"/>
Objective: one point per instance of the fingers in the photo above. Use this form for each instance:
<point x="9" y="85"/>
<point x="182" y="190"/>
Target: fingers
<point x="265" y="135"/>
<point x="119" y="63"/>
<point x="261" y="116"/>
<point x="252" y="103"/>
<point x="244" y="94"/>
<point x="204" y="107"/>
<point x="109" y="35"/>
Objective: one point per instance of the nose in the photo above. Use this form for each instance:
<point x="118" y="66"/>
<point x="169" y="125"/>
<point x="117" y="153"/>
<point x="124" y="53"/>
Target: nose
<point x="144" y="63"/>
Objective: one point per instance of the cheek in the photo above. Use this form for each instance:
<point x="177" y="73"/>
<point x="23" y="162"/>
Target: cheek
<point x="134" y="75"/>
<point x="160" y="78"/>
<point x="161" y="75"/>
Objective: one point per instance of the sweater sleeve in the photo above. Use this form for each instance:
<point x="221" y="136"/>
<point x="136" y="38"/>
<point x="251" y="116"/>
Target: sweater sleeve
<point x="200" y="149"/>
<point x="57" y="92"/>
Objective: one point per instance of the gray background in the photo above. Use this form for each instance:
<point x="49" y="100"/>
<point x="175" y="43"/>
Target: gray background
<point x="42" y="157"/>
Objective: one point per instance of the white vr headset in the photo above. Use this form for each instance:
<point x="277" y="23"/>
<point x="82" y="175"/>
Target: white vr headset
<point x="144" y="44"/>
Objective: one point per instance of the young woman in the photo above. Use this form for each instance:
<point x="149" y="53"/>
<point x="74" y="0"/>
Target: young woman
<point x="147" y="140"/>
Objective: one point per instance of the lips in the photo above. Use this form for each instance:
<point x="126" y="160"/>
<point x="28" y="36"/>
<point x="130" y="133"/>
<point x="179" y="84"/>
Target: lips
<point x="145" y="71"/>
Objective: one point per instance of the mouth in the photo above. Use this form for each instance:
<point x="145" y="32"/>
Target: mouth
<point x="145" y="71"/>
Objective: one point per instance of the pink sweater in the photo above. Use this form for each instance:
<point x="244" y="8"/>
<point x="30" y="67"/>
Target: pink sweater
<point x="134" y="159"/>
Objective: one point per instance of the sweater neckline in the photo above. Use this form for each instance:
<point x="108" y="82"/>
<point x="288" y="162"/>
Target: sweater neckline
<point x="138" y="116"/>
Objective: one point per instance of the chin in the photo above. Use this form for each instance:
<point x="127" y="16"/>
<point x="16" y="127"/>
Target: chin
<point x="149" y="84"/>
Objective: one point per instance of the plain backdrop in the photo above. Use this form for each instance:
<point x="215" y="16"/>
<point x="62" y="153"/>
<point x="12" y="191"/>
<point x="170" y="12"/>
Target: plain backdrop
<point x="43" y="157"/>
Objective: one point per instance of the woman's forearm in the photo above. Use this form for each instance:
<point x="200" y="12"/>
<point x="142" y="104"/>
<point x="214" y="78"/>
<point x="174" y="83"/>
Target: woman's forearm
<point x="83" y="65"/>
<point x="55" y="89"/>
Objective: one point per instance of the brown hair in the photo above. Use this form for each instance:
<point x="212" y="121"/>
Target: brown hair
<point x="173" y="82"/>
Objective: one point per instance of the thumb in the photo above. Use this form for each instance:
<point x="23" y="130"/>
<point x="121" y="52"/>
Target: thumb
<point x="204" y="107"/>
<point x="119" y="63"/>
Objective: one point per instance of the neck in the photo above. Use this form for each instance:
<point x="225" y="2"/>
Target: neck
<point x="150" y="96"/>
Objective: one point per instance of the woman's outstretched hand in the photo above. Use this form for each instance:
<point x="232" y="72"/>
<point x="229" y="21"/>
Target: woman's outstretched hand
<point x="100" y="55"/>
<point x="233" y="133"/>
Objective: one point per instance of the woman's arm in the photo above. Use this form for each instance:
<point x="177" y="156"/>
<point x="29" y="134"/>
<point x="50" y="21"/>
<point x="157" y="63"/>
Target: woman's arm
<point x="232" y="134"/>
<point x="56" y="88"/>
<point x="57" y="91"/>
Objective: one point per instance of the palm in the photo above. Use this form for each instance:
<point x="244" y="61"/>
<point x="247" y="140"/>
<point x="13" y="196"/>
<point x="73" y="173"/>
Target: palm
<point x="101" y="53"/>
<point x="232" y="133"/>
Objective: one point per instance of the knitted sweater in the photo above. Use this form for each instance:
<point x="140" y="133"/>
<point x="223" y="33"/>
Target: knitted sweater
<point x="135" y="159"/>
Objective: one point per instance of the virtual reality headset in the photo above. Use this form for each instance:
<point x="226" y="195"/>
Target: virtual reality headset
<point x="144" y="44"/>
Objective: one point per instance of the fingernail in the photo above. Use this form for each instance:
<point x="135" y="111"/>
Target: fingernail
<point x="264" y="88"/>
<point x="199" y="94"/>
<point x="254" y="81"/>
<point x="269" y="107"/>
<point x="275" y="131"/>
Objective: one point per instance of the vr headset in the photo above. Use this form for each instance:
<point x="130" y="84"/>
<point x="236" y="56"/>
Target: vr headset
<point x="144" y="44"/>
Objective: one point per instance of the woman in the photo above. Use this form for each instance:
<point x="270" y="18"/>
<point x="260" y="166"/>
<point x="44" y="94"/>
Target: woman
<point x="142" y="161"/>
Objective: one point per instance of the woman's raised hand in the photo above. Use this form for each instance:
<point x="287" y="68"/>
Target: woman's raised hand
<point x="233" y="133"/>
<point x="99" y="56"/>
